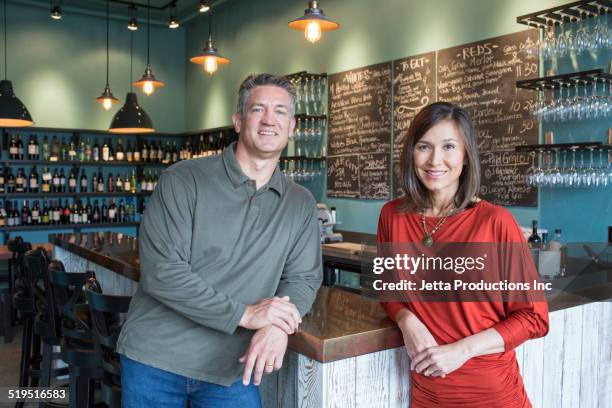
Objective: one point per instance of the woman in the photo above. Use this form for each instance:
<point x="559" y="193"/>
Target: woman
<point x="461" y="352"/>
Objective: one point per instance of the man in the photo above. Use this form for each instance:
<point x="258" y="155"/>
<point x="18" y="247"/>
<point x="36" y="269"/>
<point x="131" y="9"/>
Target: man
<point x="230" y="261"/>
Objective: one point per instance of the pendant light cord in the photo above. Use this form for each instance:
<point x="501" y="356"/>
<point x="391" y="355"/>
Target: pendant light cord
<point x="210" y="22"/>
<point x="5" y="49"/>
<point x="148" y="29"/>
<point x="131" y="61"/>
<point x="107" y="35"/>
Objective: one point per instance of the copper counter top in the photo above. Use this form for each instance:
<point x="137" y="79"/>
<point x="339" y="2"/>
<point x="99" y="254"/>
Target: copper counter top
<point x="340" y="325"/>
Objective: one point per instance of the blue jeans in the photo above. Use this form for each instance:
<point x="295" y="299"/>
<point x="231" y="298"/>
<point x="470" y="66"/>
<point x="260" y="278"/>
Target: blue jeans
<point x="144" y="386"/>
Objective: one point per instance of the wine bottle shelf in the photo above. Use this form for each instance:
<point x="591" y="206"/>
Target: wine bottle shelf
<point x="41" y="227"/>
<point x="557" y="81"/>
<point x="11" y="196"/>
<point x="85" y="163"/>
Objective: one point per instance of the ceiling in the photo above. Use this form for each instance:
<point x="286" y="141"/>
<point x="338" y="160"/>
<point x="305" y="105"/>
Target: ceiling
<point x="160" y="9"/>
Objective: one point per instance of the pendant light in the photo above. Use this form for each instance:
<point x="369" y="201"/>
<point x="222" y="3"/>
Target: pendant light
<point x="204" y="6"/>
<point x="131" y="118"/>
<point x="173" y="22"/>
<point x="107" y="99"/>
<point x="13" y="112"/>
<point x="313" y="22"/>
<point x="210" y="59"/>
<point x="132" y="18"/>
<point x="56" y="11"/>
<point x="148" y="82"/>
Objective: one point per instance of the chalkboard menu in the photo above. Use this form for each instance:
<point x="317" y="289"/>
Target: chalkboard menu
<point x="413" y="88"/>
<point x="343" y="176"/>
<point x="359" y="132"/>
<point x="481" y="77"/>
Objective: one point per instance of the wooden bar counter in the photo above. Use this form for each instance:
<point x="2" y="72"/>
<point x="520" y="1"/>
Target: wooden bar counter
<point x="348" y="353"/>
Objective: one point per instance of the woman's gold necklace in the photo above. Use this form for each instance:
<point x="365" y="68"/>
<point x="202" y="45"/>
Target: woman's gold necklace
<point x="427" y="239"/>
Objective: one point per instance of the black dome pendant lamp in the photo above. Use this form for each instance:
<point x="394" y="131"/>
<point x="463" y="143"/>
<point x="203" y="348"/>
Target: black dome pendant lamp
<point x="13" y="112"/>
<point x="131" y="118"/>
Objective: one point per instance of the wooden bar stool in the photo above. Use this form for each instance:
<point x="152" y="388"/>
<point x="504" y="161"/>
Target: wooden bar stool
<point x="106" y="311"/>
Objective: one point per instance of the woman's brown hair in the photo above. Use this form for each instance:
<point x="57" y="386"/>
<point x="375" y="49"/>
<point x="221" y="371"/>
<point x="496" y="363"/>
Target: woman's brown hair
<point x="416" y="196"/>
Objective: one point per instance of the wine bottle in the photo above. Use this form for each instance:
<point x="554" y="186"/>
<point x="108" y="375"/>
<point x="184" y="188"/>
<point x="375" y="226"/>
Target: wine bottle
<point x="112" y="211"/>
<point x="84" y="182"/>
<point x="104" y="210"/>
<point x="31" y="148"/>
<point x="46" y="151"/>
<point x="81" y="152"/>
<point x="62" y="181"/>
<point x="120" y="154"/>
<point x="35" y="213"/>
<point x="33" y="180"/>
<point x="100" y="182"/>
<point x="2" y="181"/>
<point x="111" y="183"/>
<point x="20" y="182"/>
<point x="72" y="182"/>
<point x="26" y="217"/>
<point x="96" y="213"/>
<point x="88" y="152"/>
<point x="64" y="151"/>
<point x="47" y="178"/>
<point x="72" y="153"/>
<point x="45" y="214"/>
<point x="11" y="183"/>
<point x="105" y="152"/>
<point x="129" y="153"/>
<point x="95" y="152"/>
<point x="20" y="148"/>
<point x="55" y="149"/>
<point x="126" y="184"/>
<point x="13" y="149"/>
<point x="534" y="240"/>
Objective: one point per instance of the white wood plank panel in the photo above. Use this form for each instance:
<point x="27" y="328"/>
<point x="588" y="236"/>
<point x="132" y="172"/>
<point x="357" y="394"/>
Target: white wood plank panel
<point x="605" y="356"/>
<point x="572" y="357"/>
<point x="533" y="363"/>
<point x="287" y="381"/>
<point x="552" y="374"/>
<point x="589" y="384"/>
<point x="311" y="389"/>
<point x="373" y="380"/>
<point x="268" y="390"/>
<point x="341" y="383"/>
<point x="399" y="378"/>
<point x="519" y="357"/>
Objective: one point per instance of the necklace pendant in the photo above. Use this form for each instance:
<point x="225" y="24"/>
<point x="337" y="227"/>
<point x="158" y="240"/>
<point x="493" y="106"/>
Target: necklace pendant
<point x="427" y="240"/>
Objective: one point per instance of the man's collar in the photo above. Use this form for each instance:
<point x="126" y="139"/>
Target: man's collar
<point x="237" y="176"/>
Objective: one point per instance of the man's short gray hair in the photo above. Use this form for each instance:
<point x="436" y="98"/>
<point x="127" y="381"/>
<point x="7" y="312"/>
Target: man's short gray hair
<point x="253" y="81"/>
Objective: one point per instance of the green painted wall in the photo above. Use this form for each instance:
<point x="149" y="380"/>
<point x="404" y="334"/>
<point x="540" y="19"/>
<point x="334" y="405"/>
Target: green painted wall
<point x="58" y="68"/>
<point x="255" y="36"/>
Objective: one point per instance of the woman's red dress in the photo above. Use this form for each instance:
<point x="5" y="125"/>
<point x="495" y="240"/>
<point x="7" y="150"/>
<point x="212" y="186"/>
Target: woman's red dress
<point x="487" y="381"/>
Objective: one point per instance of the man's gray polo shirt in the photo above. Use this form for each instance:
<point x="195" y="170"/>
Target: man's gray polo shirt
<point x="210" y="244"/>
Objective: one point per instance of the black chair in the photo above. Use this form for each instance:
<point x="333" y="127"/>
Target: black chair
<point x="36" y="263"/>
<point x="71" y="316"/>
<point x="27" y="295"/>
<point x="106" y="313"/>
